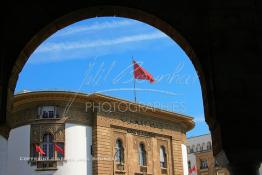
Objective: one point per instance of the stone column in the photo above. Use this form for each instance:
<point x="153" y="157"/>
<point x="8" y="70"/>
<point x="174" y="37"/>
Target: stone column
<point x="177" y="155"/>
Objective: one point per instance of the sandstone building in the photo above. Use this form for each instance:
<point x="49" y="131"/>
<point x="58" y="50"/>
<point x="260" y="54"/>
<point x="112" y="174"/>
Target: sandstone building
<point x="200" y="155"/>
<point x="99" y="135"/>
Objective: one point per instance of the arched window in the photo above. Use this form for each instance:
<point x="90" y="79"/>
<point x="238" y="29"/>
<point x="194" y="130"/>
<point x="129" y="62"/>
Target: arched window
<point x="203" y="147"/>
<point x="189" y="164"/>
<point x="59" y="154"/>
<point x="48" y="146"/>
<point x="198" y="148"/>
<point x="119" y="151"/>
<point x="208" y="145"/>
<point x="142" y="155"/>
<point x="193" y="149"/>
<point x="203" y="164"/>
<point x="163" y="157"/>
<point x="188" y="149"/>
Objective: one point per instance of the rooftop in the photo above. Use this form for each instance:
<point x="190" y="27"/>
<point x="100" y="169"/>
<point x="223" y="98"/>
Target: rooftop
<point x="27" y="96"/>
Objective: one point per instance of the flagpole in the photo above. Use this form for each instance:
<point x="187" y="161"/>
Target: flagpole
<point x="134" y="81"/>
<point x="135" y="89"/>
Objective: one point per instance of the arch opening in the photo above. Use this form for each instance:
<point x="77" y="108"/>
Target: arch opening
<point x="103" y="11"/>
<point x="141" y="16"/>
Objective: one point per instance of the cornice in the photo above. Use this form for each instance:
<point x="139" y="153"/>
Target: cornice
<point x="38" y="96"/>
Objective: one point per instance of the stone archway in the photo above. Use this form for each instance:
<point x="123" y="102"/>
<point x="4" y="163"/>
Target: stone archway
<point x="224" y="36"/>
<point x="100" y="12"/>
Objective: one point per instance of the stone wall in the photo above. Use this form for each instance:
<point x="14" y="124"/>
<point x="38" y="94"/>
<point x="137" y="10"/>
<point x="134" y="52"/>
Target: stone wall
<point x="110" y="127"/>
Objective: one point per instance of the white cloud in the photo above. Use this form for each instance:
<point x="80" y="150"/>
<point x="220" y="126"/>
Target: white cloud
<point x="60" y="46"/>
<point x="96" y="26"/>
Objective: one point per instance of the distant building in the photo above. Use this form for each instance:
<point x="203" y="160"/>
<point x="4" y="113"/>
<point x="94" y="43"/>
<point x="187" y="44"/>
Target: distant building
<point x="200" y="157"/>
<point x="69" y="133"/>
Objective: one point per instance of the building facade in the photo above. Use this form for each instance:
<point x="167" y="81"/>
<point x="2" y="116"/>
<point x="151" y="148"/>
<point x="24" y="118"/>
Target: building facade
<point x="98" y="135"/>
<point x="200" y="157"/>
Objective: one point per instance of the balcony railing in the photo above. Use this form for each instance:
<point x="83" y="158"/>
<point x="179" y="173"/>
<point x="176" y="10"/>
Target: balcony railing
<point x="46" y="165"/>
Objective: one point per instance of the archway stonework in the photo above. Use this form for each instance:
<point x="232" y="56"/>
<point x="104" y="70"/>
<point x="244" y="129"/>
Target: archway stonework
<point x="102" y="11"/>
<point x="220" y="34"/>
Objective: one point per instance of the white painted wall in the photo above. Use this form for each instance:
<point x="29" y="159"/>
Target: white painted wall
<point x="18" y="146"/>
<point x="184" y="157"/>
<point x="78" y="159"/>
<point x="3" y="155"/>
<point x="199" y="140"/>
<point x="77" y="150"/>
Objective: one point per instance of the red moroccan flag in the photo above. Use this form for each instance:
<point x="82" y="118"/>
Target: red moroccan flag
<point x="141" y="73"/>
<point x="192" y="170"/>
<point x="39" y="149"/>
<point x="59" y="149"/>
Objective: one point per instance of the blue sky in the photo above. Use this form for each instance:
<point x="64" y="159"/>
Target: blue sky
<point x="95" y="55"/>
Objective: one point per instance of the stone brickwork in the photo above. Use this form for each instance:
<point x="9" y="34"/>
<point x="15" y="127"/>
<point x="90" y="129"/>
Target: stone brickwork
<point x="152" y="128"/>
<point x="132" y="131"/>
<point x="102" y="148"/>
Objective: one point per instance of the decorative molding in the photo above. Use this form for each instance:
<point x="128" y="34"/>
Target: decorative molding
<point x="28" y="114"/>
<point x="147" y="141"/>
<point x="36" y="137"/>
<point x="38" y="131"/>
<point x="74" y="98"/>
<point x="136" y="128"/>
<point x="141" y="119"/>
<point x="134" y="120"/>
<point x="140" y="133"/>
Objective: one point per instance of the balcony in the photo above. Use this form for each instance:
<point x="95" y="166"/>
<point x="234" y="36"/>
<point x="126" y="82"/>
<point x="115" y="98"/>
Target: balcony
<point x="46" y="165"/>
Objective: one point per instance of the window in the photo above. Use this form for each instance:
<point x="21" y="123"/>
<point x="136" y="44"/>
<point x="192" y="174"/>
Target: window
<point x="51" y="114"/>
<point x="203" y="147"/>
<point x="163" y="157"/>
<point x="119" y="152"/>
<point x="203" y="164"/>
<point x="142" y="155"/>
<point x="35" y="154"/>
<point x="188" y="149"/>
<point x="47" y="112"/>
<point x="208" y="145"/>
<point x="52" y="146"/>
<point x="91" y="150"/>
<point x="192" y="149"/>
<point x="59" y="155"/>
<point x="198" y="148"/>
<point x="48" y="146"/>
<point x="189" y="165"/>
